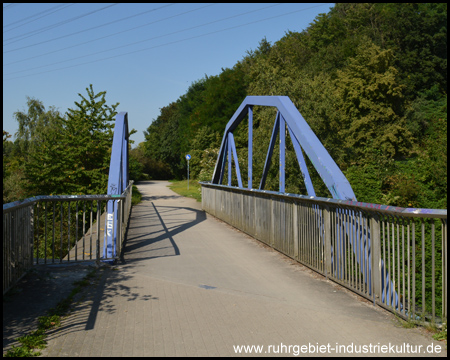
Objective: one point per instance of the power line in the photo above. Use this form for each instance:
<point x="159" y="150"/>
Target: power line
<point x="149" y="39"/>
<point x="170" y="43"/>
<point x="45" y="12"/>
<point x="106" y="36"/>
<point x="9" y="6"/>
<point x="92" y="28"/>
<point x="36" y="32"/>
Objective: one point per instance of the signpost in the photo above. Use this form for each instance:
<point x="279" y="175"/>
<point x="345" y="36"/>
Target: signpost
<point x="188" y="157"/>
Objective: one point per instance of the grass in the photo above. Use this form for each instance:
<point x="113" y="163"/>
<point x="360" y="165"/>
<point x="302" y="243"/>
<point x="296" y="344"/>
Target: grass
<point x="36" y="339"/>
<point x="438" y="334"/>
<point x="180" y="187"/>
<point x="136" y="196"/>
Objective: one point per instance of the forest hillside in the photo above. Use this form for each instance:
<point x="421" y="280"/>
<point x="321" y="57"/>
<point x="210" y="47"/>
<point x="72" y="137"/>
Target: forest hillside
<point x="370" y="80"/>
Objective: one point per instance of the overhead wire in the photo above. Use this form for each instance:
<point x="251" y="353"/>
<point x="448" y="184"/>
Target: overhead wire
<point x="149" y="39"/>
<point x="8" y="6"/>
<point x="49" y="27"/>
<point x="169" y="43"/>
<point x="95" y="27"/>
<point x="92" y="28"/>
<point x="45" y="12"/>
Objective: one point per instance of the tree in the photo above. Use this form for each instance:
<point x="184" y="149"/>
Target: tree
<point x="163" y="142"/>
<point x="33" y="125"/>
<point x="73" y="158"/>
<point x="370" y="104"/>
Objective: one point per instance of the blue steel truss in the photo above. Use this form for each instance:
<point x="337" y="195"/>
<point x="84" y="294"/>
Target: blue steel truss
<point x="303" y="138"/>
<point x="117" y="182"/>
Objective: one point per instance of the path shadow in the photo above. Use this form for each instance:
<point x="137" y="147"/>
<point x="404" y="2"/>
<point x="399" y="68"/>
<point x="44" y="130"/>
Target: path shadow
<point x="41" y="289"/>
<point x="112" y="282"/>
<point x="146" y="226"/>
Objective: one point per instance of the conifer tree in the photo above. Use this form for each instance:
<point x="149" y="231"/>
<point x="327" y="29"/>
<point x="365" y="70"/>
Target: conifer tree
<point x="73" y="158"/>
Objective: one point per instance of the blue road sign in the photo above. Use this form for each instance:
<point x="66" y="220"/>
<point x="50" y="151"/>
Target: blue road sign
<point x="188" y="157"/>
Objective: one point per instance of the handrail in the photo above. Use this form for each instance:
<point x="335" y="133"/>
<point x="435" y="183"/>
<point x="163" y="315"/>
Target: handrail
<point x="385" y="209"/>
<point x="378" y="251"/>
<point x="59" y="228"/>
<point x="30" y="201"/>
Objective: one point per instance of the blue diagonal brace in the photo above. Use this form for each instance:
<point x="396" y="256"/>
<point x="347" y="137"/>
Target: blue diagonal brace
<point x="302" y="163"/>
<point x="223" y="160"/>
<point x="273" y="138"/>
<point x="232" y="148"/>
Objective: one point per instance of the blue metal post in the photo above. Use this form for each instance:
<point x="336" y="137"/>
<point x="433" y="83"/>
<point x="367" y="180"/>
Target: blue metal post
<point x="250" y="146"/>
<point x="282" y="152"/>
<point x="117" y="182"/>
<point x="269" y="153"/>
<point x="230" y="135"/>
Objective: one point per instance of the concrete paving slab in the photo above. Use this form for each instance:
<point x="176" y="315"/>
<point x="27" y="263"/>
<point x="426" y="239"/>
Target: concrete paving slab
<point x="191" y="285"/>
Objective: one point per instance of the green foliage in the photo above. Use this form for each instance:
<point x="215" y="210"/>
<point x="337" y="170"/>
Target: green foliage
<point x="87" y="131"/>
<point x="135" y="168"/>
<point x="35" y="126"/>
<point x="161" y="145"/>
<point x="136" y="196"/>
<point x="370" y="80"/>
<point x="56" y="154"/>
<point x="369" y="101"/>
<point x="365" y="182"/>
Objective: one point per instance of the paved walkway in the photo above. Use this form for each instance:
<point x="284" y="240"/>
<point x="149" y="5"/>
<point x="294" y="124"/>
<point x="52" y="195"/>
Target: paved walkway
<point x="190" y="285"/>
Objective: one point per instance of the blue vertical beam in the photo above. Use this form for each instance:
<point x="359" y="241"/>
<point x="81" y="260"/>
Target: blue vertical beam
<point x="273" y="138"/>
<point x="125" y="178"/>
<point x="229" y="158"/>
<point x="302" y="163"/>
<point x="282" y="153"/>
<point x="117" y="182"/>
<point x="250" y="146"/>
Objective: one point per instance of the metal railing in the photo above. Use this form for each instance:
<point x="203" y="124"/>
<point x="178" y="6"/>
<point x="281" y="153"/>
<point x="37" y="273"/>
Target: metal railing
<point x="395" y="257"/>
<point x="60" y="229"/>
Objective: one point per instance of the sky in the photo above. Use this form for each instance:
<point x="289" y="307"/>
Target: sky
<point x="144" y="56"/>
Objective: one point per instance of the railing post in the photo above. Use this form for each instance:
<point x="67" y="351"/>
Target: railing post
<point x="119" y="235"/>
<point x="31" y="235"/>
<point x="327" y="240"/>
<point x="97" y="251"/>
<point x="376" y="257"/>
<point x="295" y="228"/>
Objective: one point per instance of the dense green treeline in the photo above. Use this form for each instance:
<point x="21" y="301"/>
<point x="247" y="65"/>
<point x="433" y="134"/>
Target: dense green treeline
<point x="370" y="80"/>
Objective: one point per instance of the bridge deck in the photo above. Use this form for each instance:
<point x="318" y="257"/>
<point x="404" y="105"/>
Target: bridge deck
<point x="190" y="285"/>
